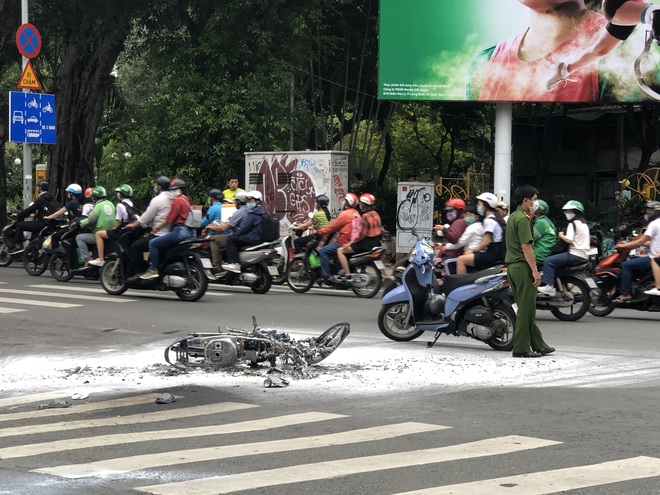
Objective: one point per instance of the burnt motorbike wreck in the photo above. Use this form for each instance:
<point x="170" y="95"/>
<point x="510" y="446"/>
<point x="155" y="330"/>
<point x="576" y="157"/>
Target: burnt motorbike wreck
<point x="232" y="346"/>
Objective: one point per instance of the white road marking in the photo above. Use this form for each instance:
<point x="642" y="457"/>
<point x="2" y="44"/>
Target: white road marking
<point x="555" y="481"/>
<point x="27" y="399"/>
<point x="31" y="302"/>
<point x="105" y="298"/>
<point x="155" y="435"/>
<point x="135" y="463"/>
<point x="345" y="467"/>
<point x="68" y="288"/>
<point x="152" y="417"/>
<point x="78" y="407"/>
<point x="5" y="311"/>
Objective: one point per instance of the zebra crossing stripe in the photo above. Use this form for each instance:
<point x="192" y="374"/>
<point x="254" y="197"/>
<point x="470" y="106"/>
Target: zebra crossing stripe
<point x="78" y="408"/>
<point x="344" y="467"/>
<point x="135" y="463"/>
<point x="69" y="288"/>
<point x="555" y="481"/>
<point x="66" y="296"/>
<point x="152" y="417"/>
<point x="155" y="435"/>
<point x="26" y="399"/>
<point x="46" y="304"/>
<point x="5" y="311"/>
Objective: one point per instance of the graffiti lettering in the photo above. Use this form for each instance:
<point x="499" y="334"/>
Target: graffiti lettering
<point x="415" y="208"/>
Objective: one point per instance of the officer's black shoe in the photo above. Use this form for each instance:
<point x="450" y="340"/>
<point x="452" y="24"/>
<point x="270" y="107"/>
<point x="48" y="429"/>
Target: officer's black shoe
<point x="527" y="354"/>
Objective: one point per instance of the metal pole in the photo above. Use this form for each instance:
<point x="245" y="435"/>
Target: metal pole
<point x="292" y="110"/>
<point x="27" y="147"/>
<point x="503" y="131"/>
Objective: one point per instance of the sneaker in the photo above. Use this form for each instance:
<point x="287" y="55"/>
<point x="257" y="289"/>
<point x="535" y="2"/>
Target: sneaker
<point x="232" y="267"/>
<point x="344" y="278"/>
<point x="16" y="251"/>
<point x="655" y="291"/>
<point x="216" y="270"/>
<point x="97" y="262"/>
<point x="547" y="290"/>
<point x="149" y="274"/>
<point x="134" y="278"/>
<point x="560" y="75"/>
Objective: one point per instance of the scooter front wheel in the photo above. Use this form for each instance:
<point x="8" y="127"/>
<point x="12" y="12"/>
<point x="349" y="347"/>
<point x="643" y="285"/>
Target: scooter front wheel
<point x="394" y="323"/>
<point x="327" y="343"/>
<point x="35" y="261"/>
<point x="59" y="267"/>
<point x="299" y="277"/>
<point x="602" y="303"/>
<point x="375" y="281"/>
<point x="5" y="257"/>
<point x="112" y="279"/>
<point x="581" y="300"/>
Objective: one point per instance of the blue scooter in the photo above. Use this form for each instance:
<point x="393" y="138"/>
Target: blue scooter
<point x="477" y="305"/>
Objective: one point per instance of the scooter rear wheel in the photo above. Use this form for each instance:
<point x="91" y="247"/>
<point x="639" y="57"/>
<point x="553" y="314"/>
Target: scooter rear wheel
<point x="505" y="314"/>
<point x="602" y="304"/>
<point x="35" y="261"/>
<point x="59" y="267"/>
<point x="5" y="257"/>
<point x="112" y="279"/>
<point x="197" y="285"/>
<point x="391" y="323"/>
<point x="376" y="280"/>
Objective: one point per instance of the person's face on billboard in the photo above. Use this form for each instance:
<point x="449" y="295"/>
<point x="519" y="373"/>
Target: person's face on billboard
<point x="550" y="5"/>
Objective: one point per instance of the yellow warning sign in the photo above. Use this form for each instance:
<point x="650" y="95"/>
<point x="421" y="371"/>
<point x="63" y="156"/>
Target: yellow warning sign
<point x="29" y="78"/>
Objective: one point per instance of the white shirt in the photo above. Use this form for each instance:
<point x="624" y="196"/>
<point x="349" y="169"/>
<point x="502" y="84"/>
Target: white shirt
<point x="121" y="213"/>
<point x="653" y="231"/>
<point x="580" y="239"/>
<point x="86" y="209"/>
<point x="470" y="239"/>
<point x="158" y="209"/>
<point x="492" y="226"/>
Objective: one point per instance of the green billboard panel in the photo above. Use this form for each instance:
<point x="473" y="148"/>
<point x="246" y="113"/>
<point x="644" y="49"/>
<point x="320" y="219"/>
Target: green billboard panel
<point x="519" y="50"/>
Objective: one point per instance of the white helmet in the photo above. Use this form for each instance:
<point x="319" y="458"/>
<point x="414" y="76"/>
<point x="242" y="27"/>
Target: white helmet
<point x="241" y="196"/>
<point x="490" y="199"/>
<point x="255" y="195"/>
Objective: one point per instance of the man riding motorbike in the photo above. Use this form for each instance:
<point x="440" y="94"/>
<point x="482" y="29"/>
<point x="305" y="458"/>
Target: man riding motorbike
<point x="40" y="208"/>
<point x="218" y="240"/>
<point x="545" y="233"/>
<point x="125" y="214"/>
<point x="248" y="234"/>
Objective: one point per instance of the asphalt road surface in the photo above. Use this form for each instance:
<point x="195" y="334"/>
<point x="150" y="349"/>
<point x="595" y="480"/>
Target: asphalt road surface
<point x="377" y="417"/>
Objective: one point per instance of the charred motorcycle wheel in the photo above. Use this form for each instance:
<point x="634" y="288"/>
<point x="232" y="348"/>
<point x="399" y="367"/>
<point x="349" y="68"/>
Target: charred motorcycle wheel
<point x="581" y="300"/>
<point x="112" y="279"/>
<point x="59" y="267"/>
<point x="375" y="281"/>
<point x="197" y="283"/>
<point x="35" y="261"/>
<point x="5" y="257"/>
<point x="505" y="321"/>
<point x="392" y="323"/>
<point x="264" y="280"/>
<point x="299" y="277"/>
<point x="327" y="342"/>
<point x="602" y="303"/>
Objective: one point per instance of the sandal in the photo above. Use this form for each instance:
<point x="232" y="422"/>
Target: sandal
<point x="620" y="300"/>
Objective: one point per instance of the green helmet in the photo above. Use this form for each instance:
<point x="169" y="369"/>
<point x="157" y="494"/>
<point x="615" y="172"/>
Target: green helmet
<point x="99" y="192"/>
<point x="125" y="189"/>
<point x="543" y="207"/>
<point x="574" y="205"/>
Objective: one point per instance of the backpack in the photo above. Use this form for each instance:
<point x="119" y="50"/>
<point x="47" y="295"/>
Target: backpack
<point x="356" y="226"/>
<point x="132" y="212"/>
<point x="52" y="205"/>
<point x="270" y="227"/>
<point x="194" y="218"/>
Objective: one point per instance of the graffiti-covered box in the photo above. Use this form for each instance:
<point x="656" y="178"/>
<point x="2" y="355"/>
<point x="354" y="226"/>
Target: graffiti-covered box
<point x="291" y="181"/>
<point x="414" y="210"/>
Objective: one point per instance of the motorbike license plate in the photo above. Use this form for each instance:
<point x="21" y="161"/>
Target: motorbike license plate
<point x="272" y="270"/>
<point x="591" y="283"/>
<point x="515" y="308"/>
<point x="206" y="263"/>
<point x="380" y="265"/>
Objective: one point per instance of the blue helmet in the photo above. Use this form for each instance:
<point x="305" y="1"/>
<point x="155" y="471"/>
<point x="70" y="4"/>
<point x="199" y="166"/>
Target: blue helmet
<point x="74" y="188"/>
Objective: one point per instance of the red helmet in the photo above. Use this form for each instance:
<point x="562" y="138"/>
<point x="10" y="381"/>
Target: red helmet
<point x="88" y="192"/>
<point x="351" y="199"/>
<point x="456" y="203"/>
<point x="368" y="199"/>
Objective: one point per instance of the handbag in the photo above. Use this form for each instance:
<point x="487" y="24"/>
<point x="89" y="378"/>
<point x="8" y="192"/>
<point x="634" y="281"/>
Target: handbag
<point x="561" y="246"/>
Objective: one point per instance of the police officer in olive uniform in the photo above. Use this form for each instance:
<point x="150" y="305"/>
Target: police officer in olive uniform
<point x="523" y="275"/>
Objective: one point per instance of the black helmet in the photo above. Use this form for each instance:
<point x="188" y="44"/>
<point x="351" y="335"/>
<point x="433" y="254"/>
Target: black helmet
<point x="163" y="182"/>
<point x="216" y="194"/>
<point x="177" y="184"/>
<point x="323" y="200"/>
<point x="43" y="185"/>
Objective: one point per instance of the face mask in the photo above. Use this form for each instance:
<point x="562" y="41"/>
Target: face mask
<point x="251" y="206"/>
<point x="155" y="190"/>
<point x="451" y="216"/>
<point x="569" y="216"/>
<point x="177" y="193"/>
<point x="470" y="220"/>
<point x="119" y="196"/>
<point x="646" y="217"/>
<point x="481" y="210"/>
<point x="534" y="207"/>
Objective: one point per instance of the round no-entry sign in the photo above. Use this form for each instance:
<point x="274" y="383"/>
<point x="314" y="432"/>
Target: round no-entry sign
<point x="28" y="40"/>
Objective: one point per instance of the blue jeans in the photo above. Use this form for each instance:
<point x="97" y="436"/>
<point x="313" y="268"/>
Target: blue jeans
<point x="551" y="263"/>
<point x="178" y="233"/>
<point x="630" y="267"/>
<point x="83" y="241"/>
<point x="327" y="251"/>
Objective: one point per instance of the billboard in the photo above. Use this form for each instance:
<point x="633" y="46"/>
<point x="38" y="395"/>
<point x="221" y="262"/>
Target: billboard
<point x="518" y="50"/>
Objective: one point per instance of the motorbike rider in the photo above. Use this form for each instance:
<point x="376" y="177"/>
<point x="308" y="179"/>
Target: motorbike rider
<point x="214" y="212"/>
<point x="40" y="208"/>
<point x="158" y="209"/>
<point x="503" y="209"/>
<point x="370" y="235"/>
<point x="491" y="249"/>
<point x="641" y="264"/>
<point x="102" y="217"/>
<point x="175" y="220"/>
<point x="344" y="224"/>
<point x="655" y="264"/>
<point x="72" y="206"/>
<point x="454" y="213"/>
<point x="472" y="236"/>
<point x="88" y="203"/>
<point x="545" y="233"/>
<point x="247" y="234"/>
<point x="124" y="214"/>
<point x="221" y="231"/>
<point x="320" y="219"/>
<point x="579" y="241"/>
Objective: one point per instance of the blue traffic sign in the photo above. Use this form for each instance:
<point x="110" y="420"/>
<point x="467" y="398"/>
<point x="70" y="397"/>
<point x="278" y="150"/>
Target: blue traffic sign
<point x="32" y="118"/>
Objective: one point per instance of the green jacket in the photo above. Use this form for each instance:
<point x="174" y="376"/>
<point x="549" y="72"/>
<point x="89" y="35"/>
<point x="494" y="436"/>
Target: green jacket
<point x="102" y="216"/>
<point x="545" y="236"/>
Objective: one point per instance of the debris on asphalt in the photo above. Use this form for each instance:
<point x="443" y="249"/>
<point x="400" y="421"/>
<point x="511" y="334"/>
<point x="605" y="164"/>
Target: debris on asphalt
<point x="165" y="398"/>
<point x="57" y="403"/>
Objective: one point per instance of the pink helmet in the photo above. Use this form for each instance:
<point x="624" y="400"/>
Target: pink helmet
<point x="351" y="199"/>
<point x="368" y="199"/>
